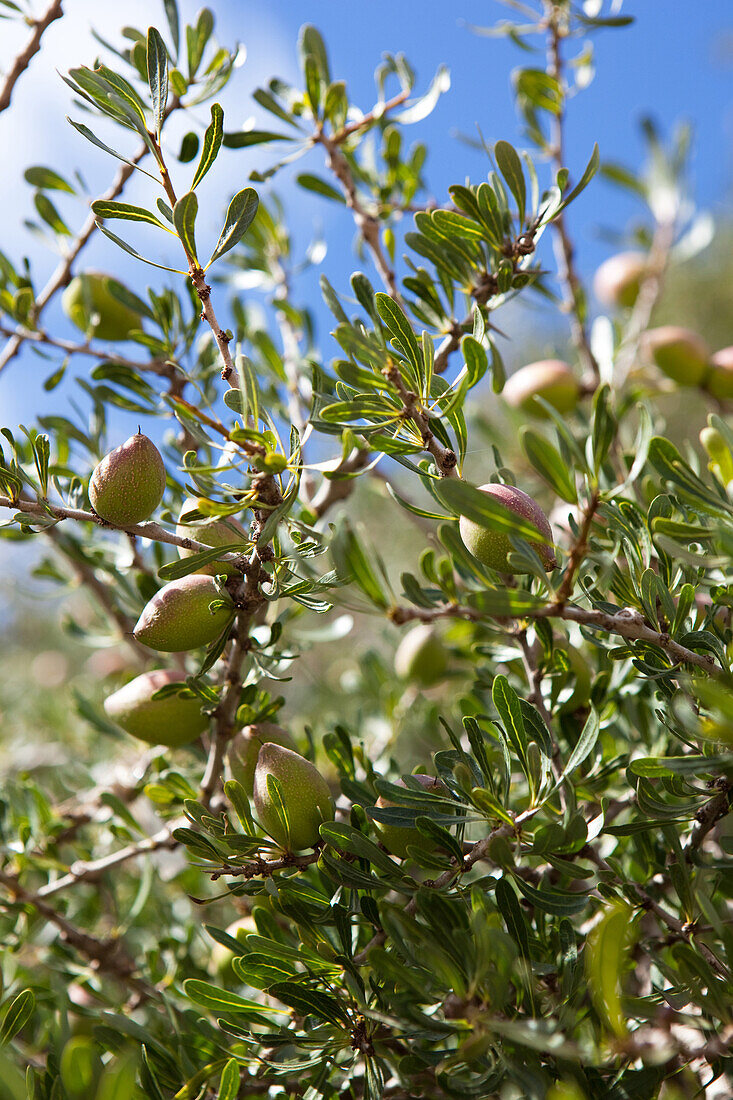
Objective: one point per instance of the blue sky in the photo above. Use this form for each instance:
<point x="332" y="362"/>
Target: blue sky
<point x="675" y="62"/>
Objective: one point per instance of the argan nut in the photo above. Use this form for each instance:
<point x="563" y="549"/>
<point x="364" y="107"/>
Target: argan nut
<point x="305" y="795"/>
<point x="550" y="379"/>
<point x="178" y="617"/>
<point x="172" y="720"/>
<point x="128" y="484"/>
<point x="398" y="838"/>
<point x="421" y="656"/>
<point x="492" y="548"/>
<point x="618" y="280"/>
<point x="244" y="748"/>
<point x="211" y="532"/>
<point x="719" y="381"/>
<point x="678" y="352"/>
<point x="90" y="305"/>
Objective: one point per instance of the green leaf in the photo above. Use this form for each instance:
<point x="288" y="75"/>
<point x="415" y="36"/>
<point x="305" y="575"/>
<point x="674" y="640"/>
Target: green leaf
<point x="510" y="166"/>
<point x="212" y="143"/>
<point x="214" y="999"/>
<point x="549" y="464"/>
<point x="309" y="182"/>
<point x="307" y="1001"/>
<point x="240" y="215"/>
<point x="606" y="950"/>
<point x="590" y="171"/>
<point x="506" y="701"/>
<point x="87" y="133"/>
<point x="105" y="208"/>
<point x="511" y="911"/>
<point x="351" y="562"/>
<point x="311" y="44"/>
<point x="128" y="248"/>
<point x="196" y="39"/>
<point x="400" y="330"/>
<point x="17" y="1015"/>
<point x="230" y="1081"/>
<point x="47" y="179"/>
<point x="559" y="903"/>
<point x="157" y="61"/>
<point x="184" y="219"/>
<point x="171" y="14"/>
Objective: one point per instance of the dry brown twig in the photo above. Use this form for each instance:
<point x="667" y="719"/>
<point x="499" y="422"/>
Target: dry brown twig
<point x="24" y="58"/>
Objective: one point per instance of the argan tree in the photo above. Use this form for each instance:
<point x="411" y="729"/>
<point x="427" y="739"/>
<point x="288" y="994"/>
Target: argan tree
<point x="492" y="860"/>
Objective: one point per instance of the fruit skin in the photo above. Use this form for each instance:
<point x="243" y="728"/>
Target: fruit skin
<point x="618" y="280"/>
<point x="492" y="548"/>
<point x="550" y="379"/>
<point x="719" y="381"/>
<point x="397" y="838"/>
<point x="421" y="656"/>
<point x="212" y="532"/>
<point x="128" y="484"/>
<point x="89" y="294"/>
<point x="305" y="794"/>
<point x="678" y="352"/>
<point x="178" y="617"/>
<point x="221" y="956"/>
<point x="244" y="748"/>
<point x="174" y="720"/>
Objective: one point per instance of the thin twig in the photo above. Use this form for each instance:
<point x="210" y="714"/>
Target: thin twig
<point x="366" y="222"/>
<point x="23" y="60"/>
<point x="153" y="366"/>
<point x="564" y="249"/>
<point x="110" y="956"/>
<point x="445" y="459"/>
<point x="86" y="870"/>
<point x="61" y="277"/>
<point x="628" y="623"/>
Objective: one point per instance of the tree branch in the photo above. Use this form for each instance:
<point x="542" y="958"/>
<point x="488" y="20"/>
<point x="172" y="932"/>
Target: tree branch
<point x="23" y="60"/>
<point x="110" y="956"/>
<point x="445" y="459"/>
<point x="573" y="303"/>
<point x="61" y="277"/>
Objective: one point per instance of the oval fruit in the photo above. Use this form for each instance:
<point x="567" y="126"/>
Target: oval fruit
<point x="305" y="795"/>
<point x="719" y="453"/>
<point x="178" y="616"/>
<point x="211" y="532"/>
<point x="89" y="303"/>
<point x="678" y="352"/>
<point x="618" y="280"/>
<point x="128" y="484"/>
<point x="719" y="381"/>
<point x="550" y="379"/>
<point x="172" y="720"/>
<point x="398" y="838"/>
<point x="244" y="748"/>
<point x="421" y="656"/>
<point x="492" y="548"/>
<point x="221" y="956"/>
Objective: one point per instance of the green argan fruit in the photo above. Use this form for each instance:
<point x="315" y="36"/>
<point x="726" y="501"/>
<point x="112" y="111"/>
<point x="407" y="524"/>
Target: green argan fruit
<point x="178" y="617"/>
<point x="492" y="548"/>
<point x="398" y="838"/>
<point x="721" y="459"/>
<point x="305" y="794"/>
<point x="421" y="656"/>
<point x="550" y="379"/>
<point x="128" y="484"/>
<point x="244" y="748"/>
<point x="212" y="532"/>
<point x="173" y="720"/>
<point x="221" y="956"/>
<point x="719" y="381"/>
<point x="89" y="303"/>
<point x="618" y="279"/>
<point x="678" y="352"/>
